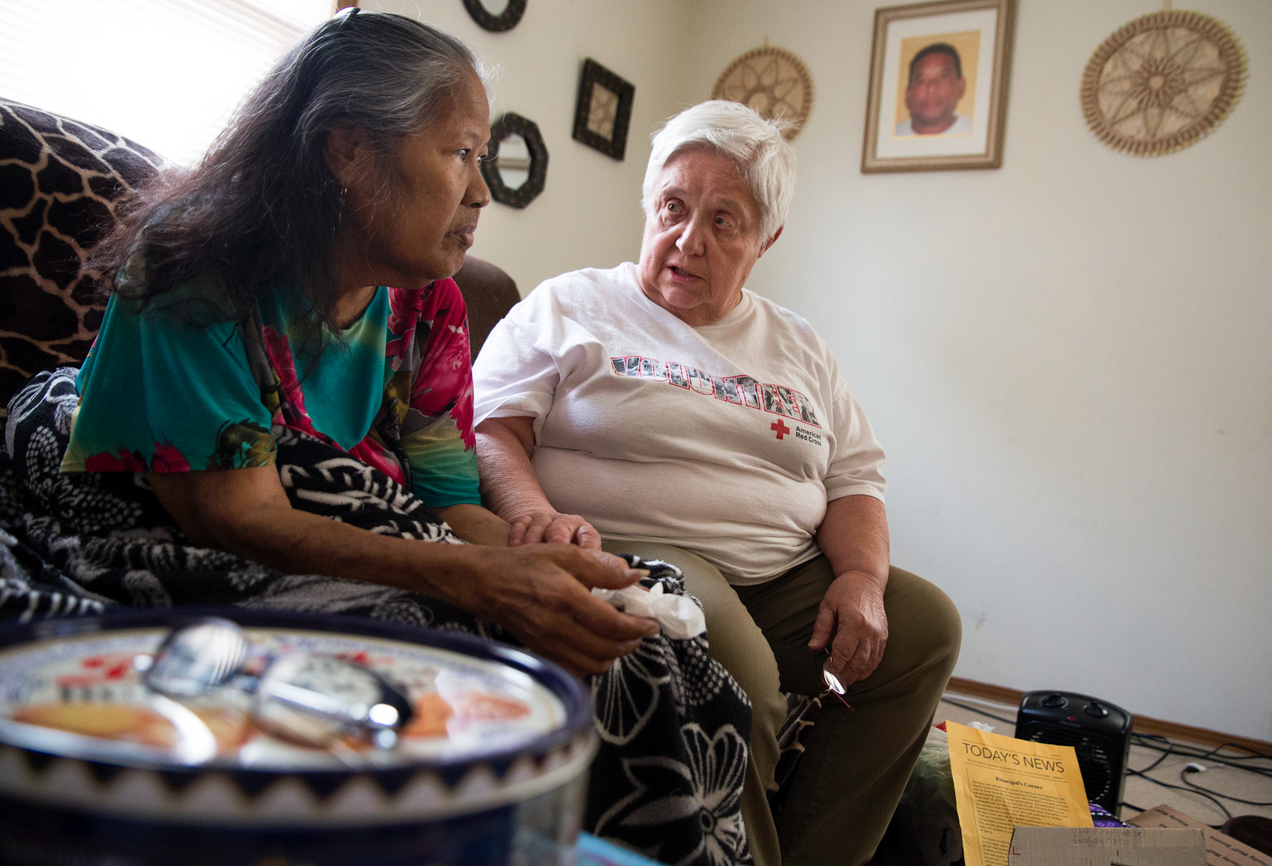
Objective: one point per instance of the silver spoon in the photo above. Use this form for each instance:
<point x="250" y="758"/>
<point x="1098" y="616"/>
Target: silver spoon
<point x="309" y="698"/>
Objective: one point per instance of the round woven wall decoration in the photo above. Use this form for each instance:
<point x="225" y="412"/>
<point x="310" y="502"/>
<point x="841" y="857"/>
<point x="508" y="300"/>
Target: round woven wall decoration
<point x="774" y="82"/>
<point x="1162" y="82"/>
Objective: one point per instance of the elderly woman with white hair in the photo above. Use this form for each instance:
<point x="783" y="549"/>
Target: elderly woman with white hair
<point x="663" y="409"/>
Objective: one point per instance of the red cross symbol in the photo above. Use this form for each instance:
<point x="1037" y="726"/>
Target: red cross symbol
<point x="779" y="428"/>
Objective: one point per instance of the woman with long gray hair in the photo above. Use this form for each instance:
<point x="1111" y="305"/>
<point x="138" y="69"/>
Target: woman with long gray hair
<point x="277" y="412"/>
<point x="253" y="300"/>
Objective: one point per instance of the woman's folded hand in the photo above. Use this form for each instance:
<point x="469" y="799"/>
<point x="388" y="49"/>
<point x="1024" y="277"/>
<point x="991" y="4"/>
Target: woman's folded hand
<point x="554" y="528"/>
<point x="542" y="594"/>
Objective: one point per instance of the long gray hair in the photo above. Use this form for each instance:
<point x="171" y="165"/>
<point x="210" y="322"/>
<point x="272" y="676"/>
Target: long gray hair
<point x="261" y="208"/>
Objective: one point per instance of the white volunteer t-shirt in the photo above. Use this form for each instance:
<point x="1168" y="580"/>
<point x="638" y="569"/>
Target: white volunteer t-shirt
<point x="727" y="440"/>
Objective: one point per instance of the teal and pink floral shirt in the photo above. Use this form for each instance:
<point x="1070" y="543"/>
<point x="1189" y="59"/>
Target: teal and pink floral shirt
<point x="160" y="392"/>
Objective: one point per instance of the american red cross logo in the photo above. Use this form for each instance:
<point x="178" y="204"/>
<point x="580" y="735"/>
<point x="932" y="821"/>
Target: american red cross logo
<point x="779" y="428"/>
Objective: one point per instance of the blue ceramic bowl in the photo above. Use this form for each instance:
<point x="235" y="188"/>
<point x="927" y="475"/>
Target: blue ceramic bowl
<point x="492" y="770"/>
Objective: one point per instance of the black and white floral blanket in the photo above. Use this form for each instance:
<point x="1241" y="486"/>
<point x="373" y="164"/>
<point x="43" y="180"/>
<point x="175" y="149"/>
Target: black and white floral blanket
<point x="673" y="725"/>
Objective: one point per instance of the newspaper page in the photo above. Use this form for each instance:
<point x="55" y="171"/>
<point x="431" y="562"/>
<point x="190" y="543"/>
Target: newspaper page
<point x="1001" y="783"/>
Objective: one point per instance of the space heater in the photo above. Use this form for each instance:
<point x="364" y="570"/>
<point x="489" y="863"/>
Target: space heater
<point x="1098" y="731"/>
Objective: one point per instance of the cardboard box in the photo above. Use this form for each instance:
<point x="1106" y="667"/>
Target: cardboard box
<point x="1221" y="849"/>
<point x="1106" y="846"/>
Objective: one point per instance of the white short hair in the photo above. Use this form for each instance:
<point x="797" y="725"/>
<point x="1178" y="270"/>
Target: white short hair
<point x="765" y="158"/>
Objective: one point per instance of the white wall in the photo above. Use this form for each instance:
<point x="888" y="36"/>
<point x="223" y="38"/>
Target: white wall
<point x="1067" y="359"/>
<point x="589" y="212"/>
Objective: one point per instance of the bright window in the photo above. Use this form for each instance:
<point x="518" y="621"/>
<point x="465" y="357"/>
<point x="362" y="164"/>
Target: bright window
<point x="166" y="73"/>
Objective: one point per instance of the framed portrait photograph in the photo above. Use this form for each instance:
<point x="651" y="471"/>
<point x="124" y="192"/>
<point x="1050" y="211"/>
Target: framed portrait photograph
<point x="604" y="110"/>
<point x="938" y="86"/>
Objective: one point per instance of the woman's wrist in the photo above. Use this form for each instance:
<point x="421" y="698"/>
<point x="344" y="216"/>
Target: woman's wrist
<point x="516" y="507"/>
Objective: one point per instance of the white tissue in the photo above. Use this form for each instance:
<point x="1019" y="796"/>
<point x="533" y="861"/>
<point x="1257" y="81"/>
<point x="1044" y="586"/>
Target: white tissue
<point x="981" y="726"/>
<point x="676" y="615"/>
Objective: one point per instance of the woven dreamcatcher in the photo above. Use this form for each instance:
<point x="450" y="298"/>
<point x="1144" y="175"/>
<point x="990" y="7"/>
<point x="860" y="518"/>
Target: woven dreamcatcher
<point x="1162" y="82"/>
<point x="774" y="82"/>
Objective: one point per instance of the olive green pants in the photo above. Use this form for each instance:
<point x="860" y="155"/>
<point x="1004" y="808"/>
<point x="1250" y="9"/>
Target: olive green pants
<point x="856" y="762"/>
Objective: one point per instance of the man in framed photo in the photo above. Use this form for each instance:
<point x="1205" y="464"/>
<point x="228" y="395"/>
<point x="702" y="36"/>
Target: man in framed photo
<point x="935" y="86"/>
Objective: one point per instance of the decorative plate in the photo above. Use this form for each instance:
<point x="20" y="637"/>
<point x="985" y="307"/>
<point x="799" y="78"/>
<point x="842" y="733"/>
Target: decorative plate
<point x="1162" y="82"/>
<point x="774" y="82"/>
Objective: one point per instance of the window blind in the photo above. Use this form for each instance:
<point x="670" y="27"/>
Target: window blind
<point x="166" y="73"/>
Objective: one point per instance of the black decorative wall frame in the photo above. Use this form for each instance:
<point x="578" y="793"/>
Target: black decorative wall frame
<point x="496" y="23"/>
<point x="514" y="124"/>
<point x="615" y="144"/>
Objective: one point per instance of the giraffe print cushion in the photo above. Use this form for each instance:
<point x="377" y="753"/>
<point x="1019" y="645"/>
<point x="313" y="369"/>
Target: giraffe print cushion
<point x="60" y="181"/>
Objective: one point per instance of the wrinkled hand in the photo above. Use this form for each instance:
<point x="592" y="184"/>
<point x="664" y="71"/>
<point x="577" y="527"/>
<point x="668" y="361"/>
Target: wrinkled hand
<point x="553" y="527"/>
<point x="852" y="612"/>
<point x="542" y="594"/>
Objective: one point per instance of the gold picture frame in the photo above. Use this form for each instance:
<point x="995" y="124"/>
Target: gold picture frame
<point x="938" y="86"/>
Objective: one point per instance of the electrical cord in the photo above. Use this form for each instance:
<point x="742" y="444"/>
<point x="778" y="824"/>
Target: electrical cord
<point x="1169" y="748"/>
<point x="1213" y="755"/>
<point x="1252" y="756"/>
<point x="1214" y="800"/>
<point x="1166" y="753"/>
<point x="1186" y="771"/>
<point x="1150" y="741"/>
